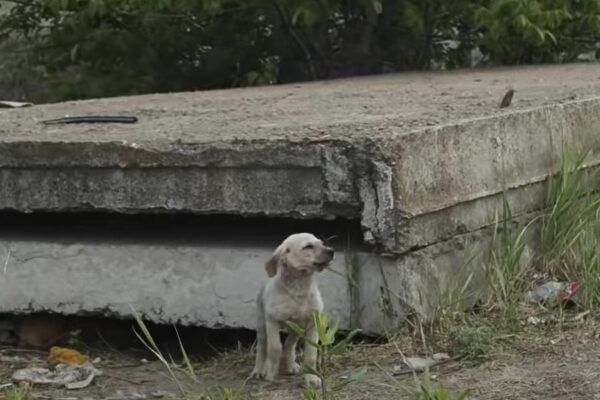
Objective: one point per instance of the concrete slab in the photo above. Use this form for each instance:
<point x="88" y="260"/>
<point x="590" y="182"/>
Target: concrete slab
<point x="212" y="286"/>
<point x="420" y="161"/>
<point x="356" y="149"/>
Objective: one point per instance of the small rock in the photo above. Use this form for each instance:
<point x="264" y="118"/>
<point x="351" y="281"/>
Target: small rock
<point x="440" y="356"/>
<point x="121" y="395"/>
<point x="419" y="363"/>
<point x="535" y="321"/>
<point x="159" y="394"/>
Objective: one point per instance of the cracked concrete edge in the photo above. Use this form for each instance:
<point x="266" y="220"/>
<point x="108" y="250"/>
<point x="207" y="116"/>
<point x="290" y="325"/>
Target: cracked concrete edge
<point x="444" y="166"/>
<point x="448" y="180"/>
<point x="313" y="182"/>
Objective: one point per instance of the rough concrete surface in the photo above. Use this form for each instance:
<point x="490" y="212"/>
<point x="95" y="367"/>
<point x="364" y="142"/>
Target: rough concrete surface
<point x="346" y="108"/>
<point x="421" y="160"/>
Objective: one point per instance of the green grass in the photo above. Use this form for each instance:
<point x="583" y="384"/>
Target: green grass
<point x="185" y="376"/>
<point x="570" y="234"/>
<point x="569" y="249"/>
<point x="452" y="297"/>
<point x="572" y="215"/>
<point x="508" y="272"/>
<point x="430" y="391"/>
<point x="327" y="346"/>
<point x="471" y="343"/>
<point x="588" y="273"/>
<point x="15" y="393"/>
<point x="224" y="393"/>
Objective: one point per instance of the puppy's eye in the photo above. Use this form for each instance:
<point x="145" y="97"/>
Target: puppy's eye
<point x="308" y="246"/>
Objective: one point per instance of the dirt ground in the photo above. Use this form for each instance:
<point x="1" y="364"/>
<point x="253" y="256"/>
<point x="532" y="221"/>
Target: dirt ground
<point x="554" y="362"/>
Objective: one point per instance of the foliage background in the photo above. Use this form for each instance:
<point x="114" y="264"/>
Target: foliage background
<point x="53" y="50"/>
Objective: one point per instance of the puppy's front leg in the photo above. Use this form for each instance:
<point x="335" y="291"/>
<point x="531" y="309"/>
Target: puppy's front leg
<point x="273" y="349"/>
<point x="289" y="354"/>
<point x="310" y="355"/>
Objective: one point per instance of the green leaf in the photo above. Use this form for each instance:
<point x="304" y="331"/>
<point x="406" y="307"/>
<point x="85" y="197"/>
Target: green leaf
<point x="377" y="6"/>
<point x="522" y="21"/>
<point x="73" y="52"/>
<point x="356" y="375"/>
<point x="343" y="344"/>
<point x="551" y="36"/>
<point x="296" y="329"/>
<point x="310" y="393"/>
<point x="541" y="34"/>
<point x="308" y="370"/>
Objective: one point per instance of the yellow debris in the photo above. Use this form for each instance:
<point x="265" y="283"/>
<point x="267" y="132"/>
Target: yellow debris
<point x="61" y="355"/>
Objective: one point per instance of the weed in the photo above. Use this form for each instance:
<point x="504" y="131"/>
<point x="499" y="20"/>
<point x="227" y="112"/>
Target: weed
<point x="218" y="393"/>
<point x="310" y="393"/>
<point x="148" y="341"/>
<point x="589" y="271"/>
<point x="16" y="393"/>
<point x="570" y="235"/>
<point x="428" y="391"/>
<point x="508" y="270"/>
<point x="452" y="297"/>
<point x="73" y="338"/>
<point x="573" y="212"/>
<point x="224" y="393"/>
<point x="424" y="388"/>
<point x="445" y="305"/>
<point x="471" y="343"/>
<point x="327" y="347"/>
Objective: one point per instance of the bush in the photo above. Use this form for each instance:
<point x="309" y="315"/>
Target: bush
<point x="92" y="48"/>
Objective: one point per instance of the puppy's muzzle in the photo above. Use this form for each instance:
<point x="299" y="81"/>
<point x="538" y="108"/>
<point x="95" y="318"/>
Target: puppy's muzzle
<point x="325" y="258"/>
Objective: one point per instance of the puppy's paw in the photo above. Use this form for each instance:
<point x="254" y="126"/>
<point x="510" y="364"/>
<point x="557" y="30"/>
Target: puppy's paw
<point x="312" y="380"/>
<point x="293" y="368"/>
<point x="270" y="377"/>
<point x="257" y="374"/>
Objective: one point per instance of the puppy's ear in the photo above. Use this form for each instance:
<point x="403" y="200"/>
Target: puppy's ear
<point x="273" y="263"/>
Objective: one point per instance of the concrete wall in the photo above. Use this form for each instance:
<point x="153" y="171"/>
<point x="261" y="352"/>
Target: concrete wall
<point x="212" y="286"/>
<point x="187" y="284"/>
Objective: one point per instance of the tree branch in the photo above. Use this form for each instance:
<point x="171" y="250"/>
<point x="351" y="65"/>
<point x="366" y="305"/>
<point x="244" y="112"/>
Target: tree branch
<point x="296" y="39"/>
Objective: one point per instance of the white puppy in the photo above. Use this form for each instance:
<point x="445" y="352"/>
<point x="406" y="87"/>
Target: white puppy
<point x="291" y="294"/>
